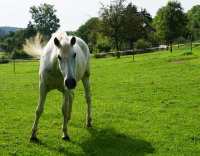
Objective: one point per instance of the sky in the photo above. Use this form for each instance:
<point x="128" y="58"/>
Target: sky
<point x="72" y="13"/>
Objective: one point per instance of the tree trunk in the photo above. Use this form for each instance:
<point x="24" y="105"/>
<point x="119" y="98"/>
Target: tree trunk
<point x="170" y="46"/>
<point x="130" y="44"/>
<point x="118" y="54"/>
<point x="167" y="45"/>
<point x="132" y="47"/>
<point x="191" y="43"/>
<point x="117" y="47"/>
<point x="117" y="44"/>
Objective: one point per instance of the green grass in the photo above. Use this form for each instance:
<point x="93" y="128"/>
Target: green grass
<point x="147" y="107"/>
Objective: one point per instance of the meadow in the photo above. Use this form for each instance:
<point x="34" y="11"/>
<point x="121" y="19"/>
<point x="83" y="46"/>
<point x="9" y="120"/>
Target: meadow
<point x="150" y="106"/>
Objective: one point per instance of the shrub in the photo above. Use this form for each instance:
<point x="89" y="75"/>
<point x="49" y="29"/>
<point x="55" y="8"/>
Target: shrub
<point x="142" y="44"/>
<point x="3" y="60"/>
<point x="103" y="47"/>
<point x="103" y="44"/>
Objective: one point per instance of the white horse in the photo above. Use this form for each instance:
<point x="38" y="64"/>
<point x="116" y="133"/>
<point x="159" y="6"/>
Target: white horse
<point x="63" y="62"/>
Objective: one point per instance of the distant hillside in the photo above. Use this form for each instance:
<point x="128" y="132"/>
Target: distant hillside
<point x="6" y="30"/>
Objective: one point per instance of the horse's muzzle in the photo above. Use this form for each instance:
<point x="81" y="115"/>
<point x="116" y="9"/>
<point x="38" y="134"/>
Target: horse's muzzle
<point x="70" y="83"/>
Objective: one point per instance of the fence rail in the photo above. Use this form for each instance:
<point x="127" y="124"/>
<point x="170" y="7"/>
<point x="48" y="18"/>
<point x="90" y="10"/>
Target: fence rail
<point x="140" y="51"/>
<point x="129" y="52"/>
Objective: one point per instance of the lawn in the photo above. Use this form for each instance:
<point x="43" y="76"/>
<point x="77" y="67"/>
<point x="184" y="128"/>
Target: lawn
<point x="147" y="107"/>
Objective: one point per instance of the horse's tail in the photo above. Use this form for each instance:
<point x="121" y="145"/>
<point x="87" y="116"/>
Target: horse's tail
<point x="33" y="46"/>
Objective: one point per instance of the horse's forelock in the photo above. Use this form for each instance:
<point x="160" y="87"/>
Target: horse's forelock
<point x="64" y="40"/>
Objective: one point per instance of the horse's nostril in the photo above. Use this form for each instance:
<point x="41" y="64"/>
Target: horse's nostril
<point x="70" y="83"/>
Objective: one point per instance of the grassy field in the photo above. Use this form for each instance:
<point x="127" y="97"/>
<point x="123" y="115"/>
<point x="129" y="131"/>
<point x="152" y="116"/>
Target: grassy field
<point x="147" y="107"/>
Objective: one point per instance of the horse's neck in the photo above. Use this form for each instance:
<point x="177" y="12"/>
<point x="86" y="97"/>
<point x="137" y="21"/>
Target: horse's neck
<point x="54" y="62"/>
<point x="51" y="61"/>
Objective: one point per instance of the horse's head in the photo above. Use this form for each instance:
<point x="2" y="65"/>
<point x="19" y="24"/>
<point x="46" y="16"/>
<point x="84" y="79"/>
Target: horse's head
<point x="66" y="59"/>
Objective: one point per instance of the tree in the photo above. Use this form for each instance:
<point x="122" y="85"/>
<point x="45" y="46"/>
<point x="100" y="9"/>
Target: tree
<point x="147" y="28"/>
<point x="30" y="31"/>
<point x="44" y="19"/>
<point x="132" y="24"/>
<point x="170" y="22"/>
<point x="194" y="21"/>
<point x="124" y="24"/>
<point x="13" y="42"/>
<point x="136" y="24"/>
<point x="112" y="17"/>
<point x="89" y="31"/>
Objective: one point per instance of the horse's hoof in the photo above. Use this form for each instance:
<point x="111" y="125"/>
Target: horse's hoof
<point x="34" y="140"/>
<point x="66" y="138"/>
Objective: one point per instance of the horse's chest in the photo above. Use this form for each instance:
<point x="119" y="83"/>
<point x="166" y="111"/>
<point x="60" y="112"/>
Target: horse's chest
<point x="54" y="80"/>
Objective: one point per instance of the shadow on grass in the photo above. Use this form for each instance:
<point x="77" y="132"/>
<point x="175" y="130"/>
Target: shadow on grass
<point x="108" y="142"/>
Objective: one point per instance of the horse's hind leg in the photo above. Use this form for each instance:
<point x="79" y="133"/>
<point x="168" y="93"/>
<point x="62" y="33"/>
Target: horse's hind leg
<point x="86" y="84"/>
<point x="39" y="110"/>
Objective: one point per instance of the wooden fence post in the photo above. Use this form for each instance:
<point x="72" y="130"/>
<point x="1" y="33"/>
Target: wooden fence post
<point x="118" y="54"/>
<point x="191" y="43"/>
<point x="13" y="61"/>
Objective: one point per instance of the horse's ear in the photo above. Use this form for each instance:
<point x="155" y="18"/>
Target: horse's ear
<point x="73" y="41"/>
<point x="56" y="42"/>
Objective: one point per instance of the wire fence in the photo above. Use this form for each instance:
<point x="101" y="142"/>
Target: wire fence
<point x="186" y="47"/>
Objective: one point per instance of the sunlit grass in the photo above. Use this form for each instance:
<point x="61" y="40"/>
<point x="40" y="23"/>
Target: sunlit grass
<point x="147" y="107"/>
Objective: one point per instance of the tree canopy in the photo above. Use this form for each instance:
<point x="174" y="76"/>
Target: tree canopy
<point x="44" y="19"/>
<point x="170" y="22"/>
<point x="120" y="26"/>
<point x="89" y="31"/>
<point x="136" y="24"/>
<point x="124" y="23"/>
<point x="194" y="21"/>
<point x="112" y="17"/>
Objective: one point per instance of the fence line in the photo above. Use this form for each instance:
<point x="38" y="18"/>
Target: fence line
<point x="139" y="51"/>
<point x="130" y="52"/>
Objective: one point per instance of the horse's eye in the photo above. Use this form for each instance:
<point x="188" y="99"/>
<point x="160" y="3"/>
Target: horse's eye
<point x="59" y="57"/>
<point x="74" y="55"/>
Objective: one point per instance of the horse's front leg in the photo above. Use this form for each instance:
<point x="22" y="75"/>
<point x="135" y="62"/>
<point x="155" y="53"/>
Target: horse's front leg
<point x="66" y="110"/>
<point x="39" y="110"/>
<point x="86" y="84"/>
